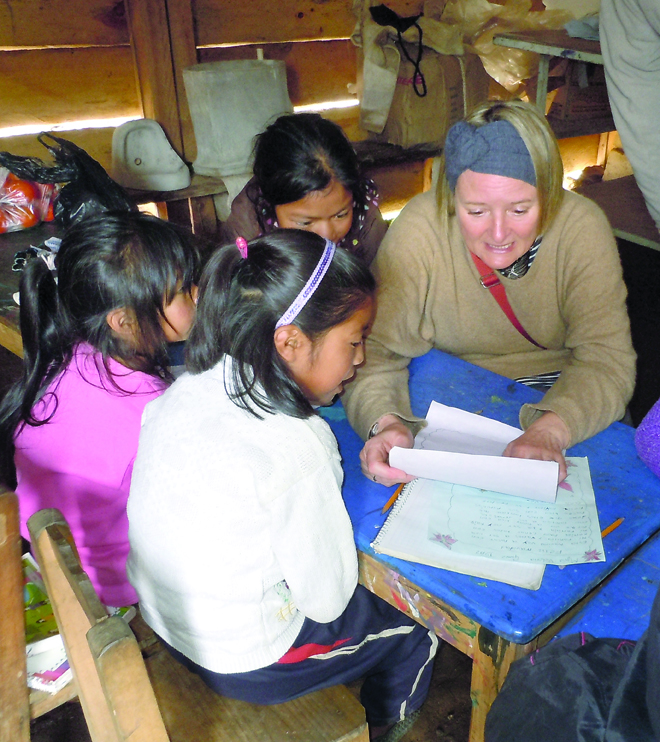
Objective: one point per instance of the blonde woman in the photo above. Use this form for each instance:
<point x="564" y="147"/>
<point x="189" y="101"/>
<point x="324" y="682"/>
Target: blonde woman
<point x="503" y="268"/>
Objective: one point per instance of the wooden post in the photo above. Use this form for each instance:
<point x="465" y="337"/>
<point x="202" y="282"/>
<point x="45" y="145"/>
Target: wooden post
<point x="163" y="43"/>
<point x="184" y="54"/>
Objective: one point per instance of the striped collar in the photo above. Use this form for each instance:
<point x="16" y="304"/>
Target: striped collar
<point x="520" y="267"/>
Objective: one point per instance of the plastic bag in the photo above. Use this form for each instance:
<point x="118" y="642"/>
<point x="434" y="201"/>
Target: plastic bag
<point x="481" y="20"/>
<point x="24" y="203"/>
<point x="456" y="27"/>
<point x="86" y="188"/>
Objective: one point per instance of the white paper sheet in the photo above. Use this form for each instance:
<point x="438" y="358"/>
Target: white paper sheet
<point x="488" y="524"/>
<point x="460" y="447"/>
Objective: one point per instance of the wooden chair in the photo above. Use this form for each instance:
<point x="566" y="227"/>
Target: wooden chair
<point x="155" y="699"/>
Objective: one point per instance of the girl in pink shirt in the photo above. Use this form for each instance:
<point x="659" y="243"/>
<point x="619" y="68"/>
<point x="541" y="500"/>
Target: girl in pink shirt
<point x="95" y="352"/>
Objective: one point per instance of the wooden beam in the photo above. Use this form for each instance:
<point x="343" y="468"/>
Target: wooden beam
<point x="35" y="23"/>
<point x="184" y="54"/>
<point x="162" y="38"/>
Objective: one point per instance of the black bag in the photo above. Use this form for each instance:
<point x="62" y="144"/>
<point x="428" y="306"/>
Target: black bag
<point x="582" y="689"/>
<point x="87" y="189"/>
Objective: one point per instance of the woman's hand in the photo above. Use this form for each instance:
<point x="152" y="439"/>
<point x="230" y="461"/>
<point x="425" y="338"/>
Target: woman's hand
<point x="545" y="440"/>
<point x="375" y="454"/>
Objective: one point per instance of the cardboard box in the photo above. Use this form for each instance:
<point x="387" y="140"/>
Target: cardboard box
<point x="584" y="94"/>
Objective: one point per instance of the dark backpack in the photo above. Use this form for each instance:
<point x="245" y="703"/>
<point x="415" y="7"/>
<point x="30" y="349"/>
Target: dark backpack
<point x="582" y="689"/>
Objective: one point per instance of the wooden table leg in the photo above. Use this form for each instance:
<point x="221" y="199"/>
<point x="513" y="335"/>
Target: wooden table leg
<point x="491" y="660"/>
<point x="491" y="654"/>
<point x="449" y="624"/>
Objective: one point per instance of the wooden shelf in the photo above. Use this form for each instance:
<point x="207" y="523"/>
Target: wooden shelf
<point x="565" y="128"/>
<point x="372" y="153"/>
<point x="201" y="185"/>
<point x="625" y="207"/>
<point x="553" y="44"/>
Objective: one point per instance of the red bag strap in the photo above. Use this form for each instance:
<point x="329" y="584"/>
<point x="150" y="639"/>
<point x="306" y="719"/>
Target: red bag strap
<point x="491" y="281"/>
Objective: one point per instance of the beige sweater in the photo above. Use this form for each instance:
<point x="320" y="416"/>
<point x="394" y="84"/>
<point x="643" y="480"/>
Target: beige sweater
<point x="572" y="301"/>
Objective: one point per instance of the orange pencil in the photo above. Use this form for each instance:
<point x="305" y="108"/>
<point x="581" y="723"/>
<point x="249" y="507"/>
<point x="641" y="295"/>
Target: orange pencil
<point x="611" y="527"/>
<point x="392" y="499"/>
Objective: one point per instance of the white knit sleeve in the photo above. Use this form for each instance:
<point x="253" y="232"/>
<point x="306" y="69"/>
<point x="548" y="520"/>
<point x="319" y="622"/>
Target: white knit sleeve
<point x="313" y="542"/>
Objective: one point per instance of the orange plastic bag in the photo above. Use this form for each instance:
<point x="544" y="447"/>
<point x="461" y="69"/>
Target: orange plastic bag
<point x="24" y="203"/>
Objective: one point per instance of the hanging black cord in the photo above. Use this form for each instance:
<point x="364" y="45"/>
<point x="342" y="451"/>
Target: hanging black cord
<point x="385" y="16"/>
<point x="418" y="75"/>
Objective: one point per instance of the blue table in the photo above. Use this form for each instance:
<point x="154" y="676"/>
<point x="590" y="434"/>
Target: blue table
<point x="492" y="622"/>
<point x="621" y="608"/>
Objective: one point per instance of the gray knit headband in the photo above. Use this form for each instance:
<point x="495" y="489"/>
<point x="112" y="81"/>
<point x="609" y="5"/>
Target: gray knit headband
<point x="495" y="149"/>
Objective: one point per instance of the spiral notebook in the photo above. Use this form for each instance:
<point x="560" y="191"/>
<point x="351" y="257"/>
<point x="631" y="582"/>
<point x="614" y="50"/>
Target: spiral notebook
<point x="404" y="535"/>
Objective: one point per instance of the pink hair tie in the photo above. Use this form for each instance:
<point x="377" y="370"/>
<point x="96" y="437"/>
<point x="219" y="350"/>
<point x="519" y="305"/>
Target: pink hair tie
<point x="241" y="244"/>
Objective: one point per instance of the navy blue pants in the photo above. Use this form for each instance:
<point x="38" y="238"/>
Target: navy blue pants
<point x="370" y="640"/>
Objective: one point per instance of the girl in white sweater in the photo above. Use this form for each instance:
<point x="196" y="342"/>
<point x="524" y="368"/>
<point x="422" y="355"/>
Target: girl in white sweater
<point x="242" y="551"/>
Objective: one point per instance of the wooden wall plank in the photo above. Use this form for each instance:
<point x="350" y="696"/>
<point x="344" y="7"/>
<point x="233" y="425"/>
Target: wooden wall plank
<point x="245" y="21"/>
<point x="242" y="21"/>
<point x="316" y="70"/>
<point x="38" y="23"/>
<point x="50" y="86"/>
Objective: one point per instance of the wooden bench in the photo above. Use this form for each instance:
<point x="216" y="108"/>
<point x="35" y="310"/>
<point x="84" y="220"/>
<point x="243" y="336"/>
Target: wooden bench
<point x="621" y="608"/>
<point x="156" y="699"/>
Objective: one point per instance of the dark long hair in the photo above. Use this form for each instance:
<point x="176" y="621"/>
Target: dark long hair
<point x="300" y="153"/>
<point x="241" y="300"/>
<point x="105" y="262"/>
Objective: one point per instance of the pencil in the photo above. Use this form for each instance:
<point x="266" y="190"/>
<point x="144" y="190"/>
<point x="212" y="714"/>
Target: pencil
<point x="612" y="527"/>
<point x="392" y="499"/>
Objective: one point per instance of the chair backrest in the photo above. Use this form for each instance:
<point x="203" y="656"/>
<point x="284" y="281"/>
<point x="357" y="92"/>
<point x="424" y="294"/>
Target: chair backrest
<point x="14" y="699"/>
<point x="114" y="688"/>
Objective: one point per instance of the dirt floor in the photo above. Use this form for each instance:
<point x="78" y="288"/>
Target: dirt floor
<point x="446" y="714"/>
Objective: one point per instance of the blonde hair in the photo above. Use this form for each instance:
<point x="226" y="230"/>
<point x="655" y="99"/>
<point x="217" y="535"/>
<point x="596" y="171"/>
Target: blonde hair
<point x="541" y="144"/>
